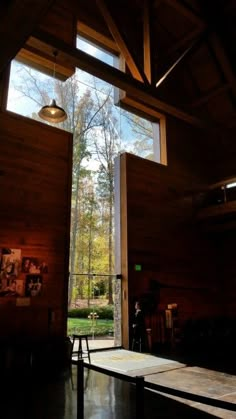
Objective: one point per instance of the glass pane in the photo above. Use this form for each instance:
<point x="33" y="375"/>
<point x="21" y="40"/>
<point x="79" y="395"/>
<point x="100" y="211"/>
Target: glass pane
<point x="30" y="89"/>
<point x="96" y="51"/>
<point x="90" y="312"/>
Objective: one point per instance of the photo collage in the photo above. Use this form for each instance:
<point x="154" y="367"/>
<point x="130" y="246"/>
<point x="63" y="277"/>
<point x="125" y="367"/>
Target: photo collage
<point x="21" y="276"/>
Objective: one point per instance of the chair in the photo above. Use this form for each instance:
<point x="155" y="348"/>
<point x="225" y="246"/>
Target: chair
<point x="80" y="352"/>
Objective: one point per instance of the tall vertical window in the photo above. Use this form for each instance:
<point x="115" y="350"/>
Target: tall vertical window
<point x="101" y="131"/>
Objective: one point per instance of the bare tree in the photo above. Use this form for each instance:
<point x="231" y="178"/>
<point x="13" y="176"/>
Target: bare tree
<point x="107" y="147"/>
<point x="142" y="129"/>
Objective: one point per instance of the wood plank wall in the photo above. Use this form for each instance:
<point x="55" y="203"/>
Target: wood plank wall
<point x="35" y="185"/>
<point x="222" y="152"/>
<point x="223" y="155"/>
<point x="189" y="153"/>
<point x="226" y="241"/>
<point x="178" y="260"/>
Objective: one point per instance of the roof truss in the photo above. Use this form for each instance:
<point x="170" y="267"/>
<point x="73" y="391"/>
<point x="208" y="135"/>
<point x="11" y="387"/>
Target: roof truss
<point x="20" y="19"/>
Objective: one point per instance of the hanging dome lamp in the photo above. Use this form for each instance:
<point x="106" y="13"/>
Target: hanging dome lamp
<point x="53" y="113"/>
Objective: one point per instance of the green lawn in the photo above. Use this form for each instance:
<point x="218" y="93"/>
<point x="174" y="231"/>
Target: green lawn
<point x="84" y="326"/>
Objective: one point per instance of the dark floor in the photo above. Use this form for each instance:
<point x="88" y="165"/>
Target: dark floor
<point x="53" y="396"/>
<point x="49" y="394"/>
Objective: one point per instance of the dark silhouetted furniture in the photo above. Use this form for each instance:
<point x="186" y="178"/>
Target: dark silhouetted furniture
<point x="83" y="348"/>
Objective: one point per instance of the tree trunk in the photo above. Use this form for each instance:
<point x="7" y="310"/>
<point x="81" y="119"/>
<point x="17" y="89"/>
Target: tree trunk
<point x="90" y="249"/>
<point x="73" y="245"/>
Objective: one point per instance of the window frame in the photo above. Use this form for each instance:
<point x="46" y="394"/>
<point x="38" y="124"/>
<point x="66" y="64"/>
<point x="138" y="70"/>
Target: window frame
<point x="120" y="97"/>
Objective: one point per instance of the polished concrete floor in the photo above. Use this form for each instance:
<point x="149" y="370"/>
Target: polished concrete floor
<point x="49" y="394"/>
<point x="104" y="398"/>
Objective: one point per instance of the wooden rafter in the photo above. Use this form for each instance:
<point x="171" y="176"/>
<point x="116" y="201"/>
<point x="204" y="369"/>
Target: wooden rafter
<point x="43" y="62"/>
<point x="136" y="71"/>
<point x="94" y="36"/>
<point x="212" y="93"/>
<point x="134" y="88"/>
<point x="214" y="42"/>
<point x="180" y="58"/>
<point x="186" y="12"/>
<point x="189" y="37"/>
<point x="147" y="62"/>
<point x="17" y="23"/>
<point x="223" y="60"/>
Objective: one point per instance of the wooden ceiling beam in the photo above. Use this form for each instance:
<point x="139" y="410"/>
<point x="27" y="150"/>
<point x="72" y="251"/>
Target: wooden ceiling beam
<point x="94" y="36"/>
<point x="134" y="88"/>
<point x="214" y="42"/>
<point x="212" y="93"/>
<point x="147" y="61"/>
<point x="186" y="12"/>
<point x="136" y="71"/>
<point x="190" y="37"/>
<point x="187" y="51"/>
<point x="18" y="21"/>
<point x="222" y="60"/>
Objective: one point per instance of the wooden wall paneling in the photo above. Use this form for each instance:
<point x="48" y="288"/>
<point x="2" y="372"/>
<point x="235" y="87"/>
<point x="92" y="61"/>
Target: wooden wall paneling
<point x="226" y="245"/>
<point x="35" y="183"/>
<point x="163" y="238"/>
<point x="186" y="147"/>
<point x="4" y="81"/>
<point x="223" y="165"/>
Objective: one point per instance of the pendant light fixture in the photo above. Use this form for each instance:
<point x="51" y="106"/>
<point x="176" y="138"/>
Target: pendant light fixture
<point x="53" y="113"/>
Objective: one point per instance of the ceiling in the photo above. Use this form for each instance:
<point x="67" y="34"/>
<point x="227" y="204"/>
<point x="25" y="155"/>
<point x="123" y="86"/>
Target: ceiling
<point x="188" y="45"/>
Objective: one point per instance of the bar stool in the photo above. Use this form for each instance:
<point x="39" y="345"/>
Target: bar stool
<point x="80" y="352"/>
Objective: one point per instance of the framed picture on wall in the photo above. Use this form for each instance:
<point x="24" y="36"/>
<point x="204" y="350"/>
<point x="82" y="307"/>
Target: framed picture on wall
<point x="30" y="265"/>
<point x="10" y="262"/>
<point x="33" y="265"/>
<point x="10" y="285"/>
<point x="43" y="267"/>
<point x="33" y="285"/>
<point x="15" y="288"/>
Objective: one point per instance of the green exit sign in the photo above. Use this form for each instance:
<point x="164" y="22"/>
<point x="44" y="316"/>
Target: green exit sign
<point x="137" y="267"/>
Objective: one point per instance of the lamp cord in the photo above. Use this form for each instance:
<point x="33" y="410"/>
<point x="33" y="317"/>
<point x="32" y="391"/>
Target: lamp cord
<point x="54" y="73"/>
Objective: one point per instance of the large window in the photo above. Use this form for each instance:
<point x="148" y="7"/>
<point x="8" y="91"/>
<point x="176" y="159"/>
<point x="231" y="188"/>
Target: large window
<point x="101" y="130"/>
<point x="30" y="89"/>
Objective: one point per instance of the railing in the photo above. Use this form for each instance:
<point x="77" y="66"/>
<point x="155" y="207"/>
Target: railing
<point x="141" y="385"/>
<point x="217" y="194"/>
